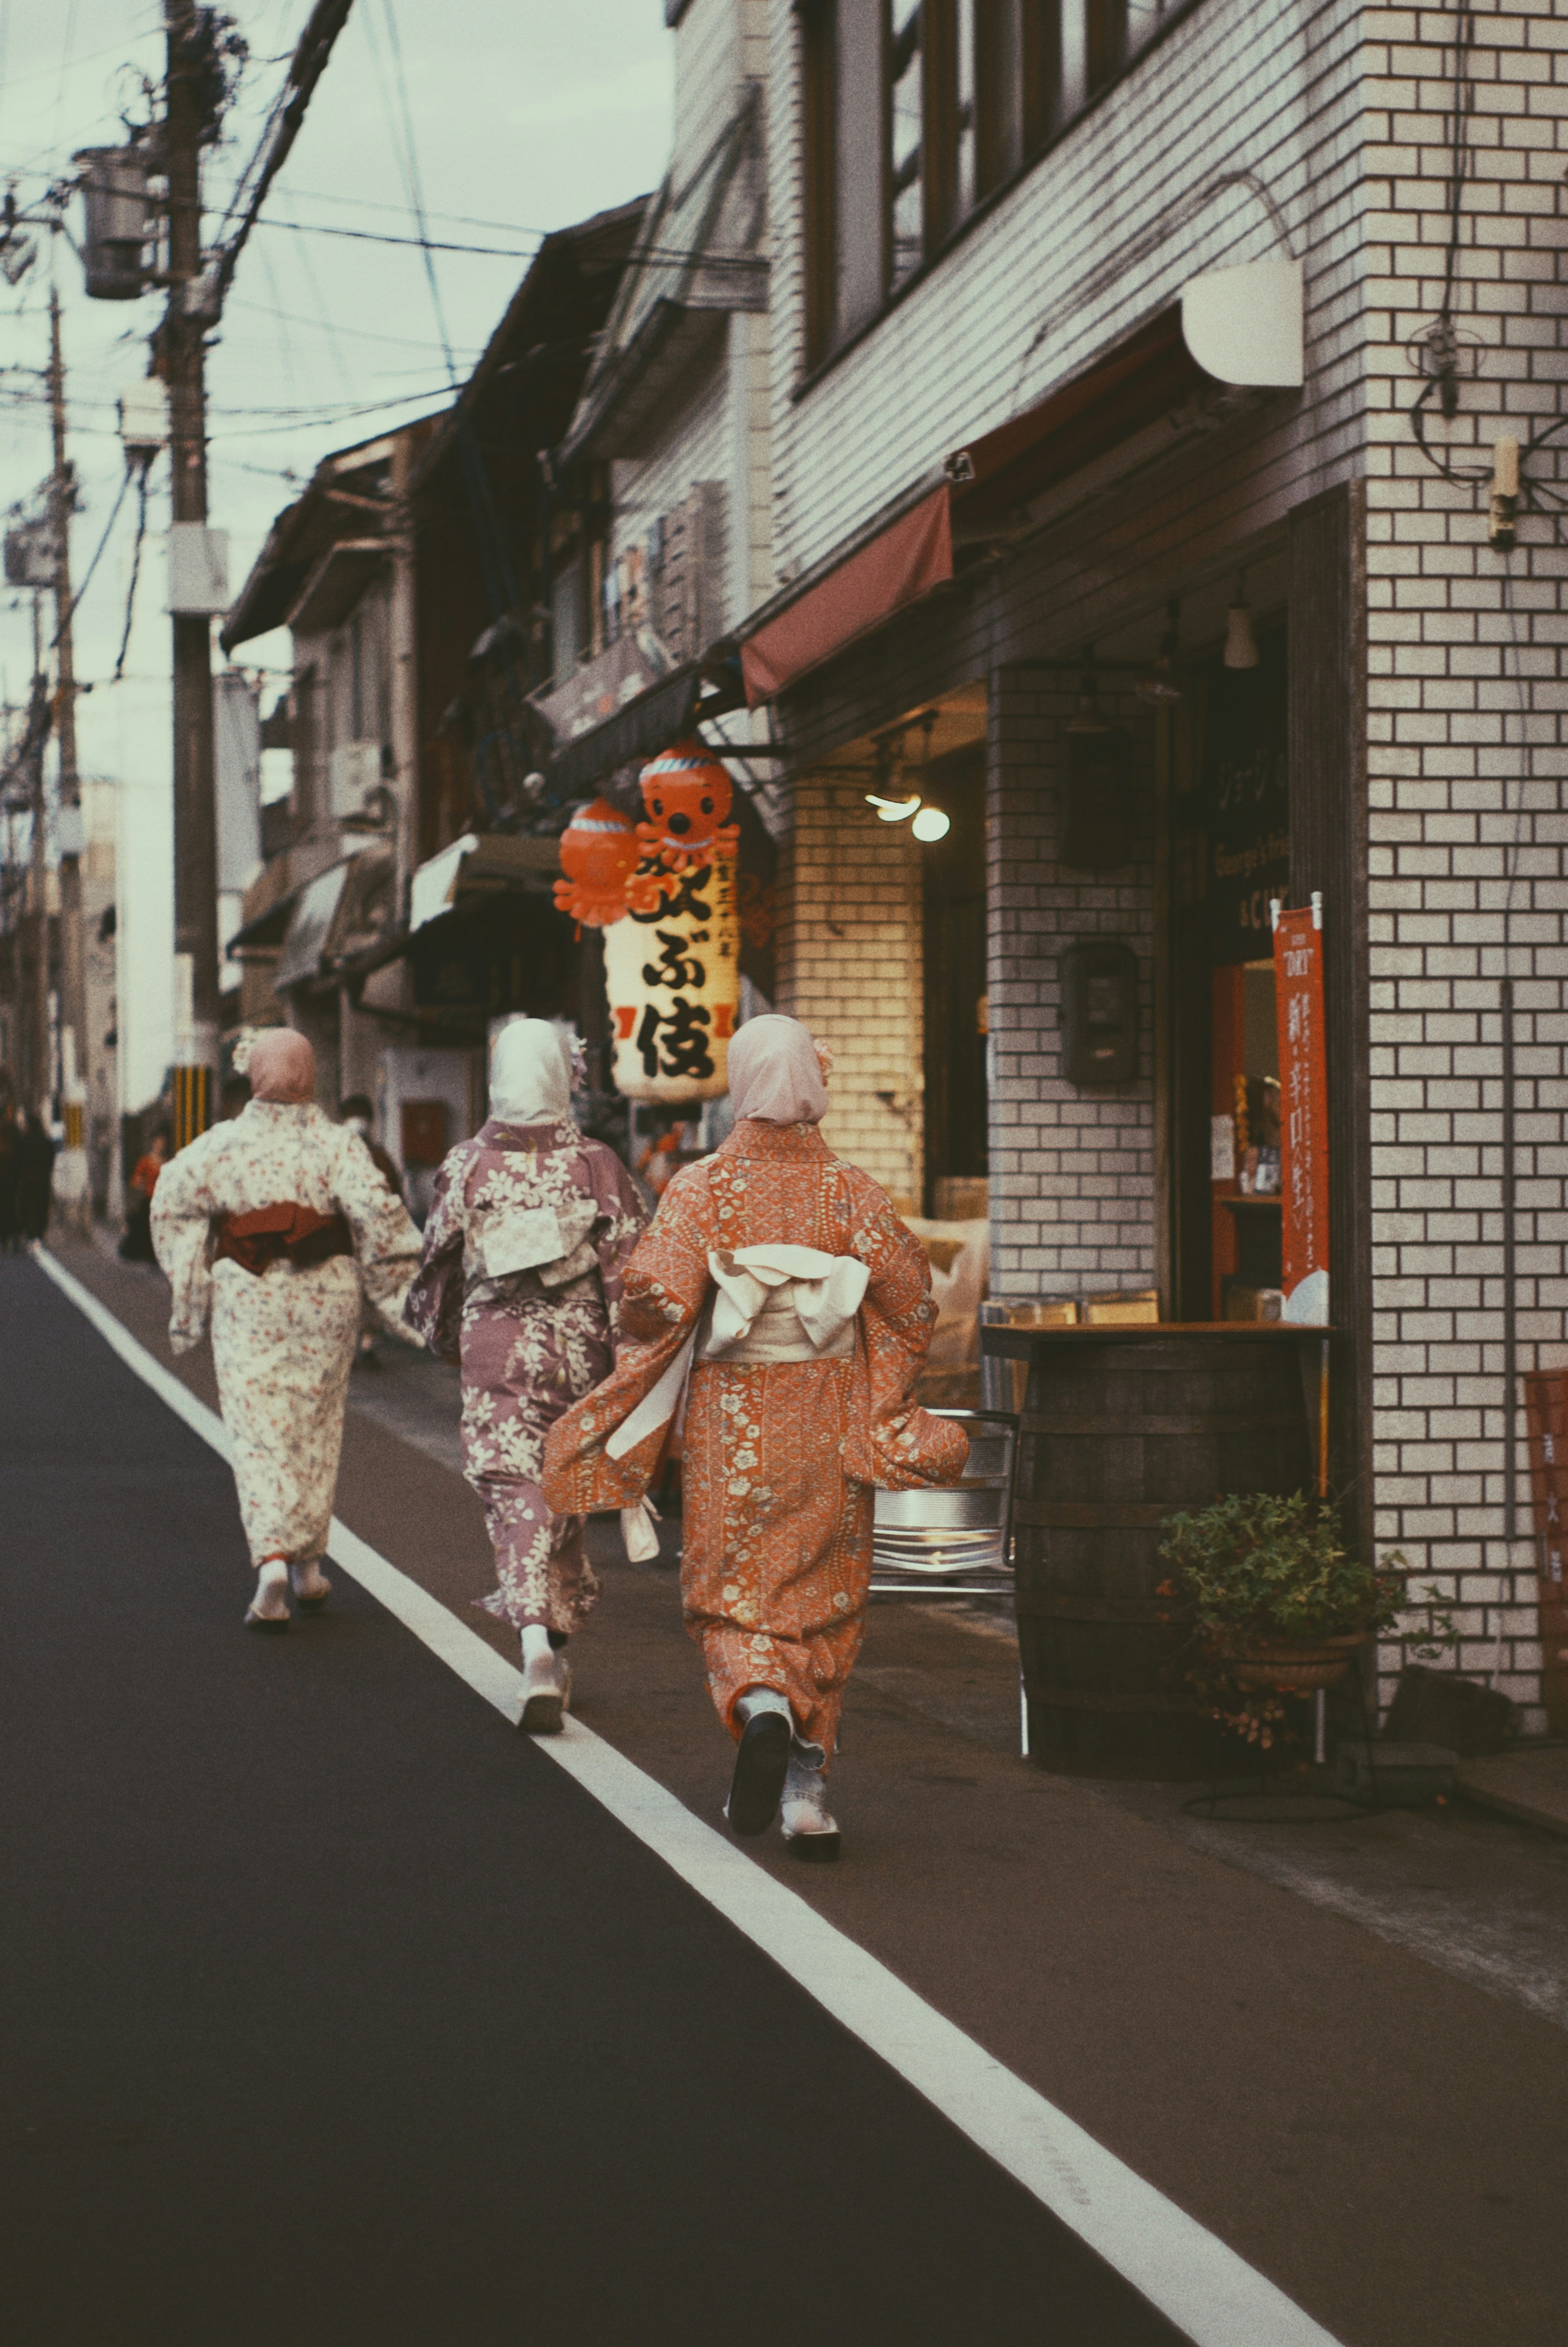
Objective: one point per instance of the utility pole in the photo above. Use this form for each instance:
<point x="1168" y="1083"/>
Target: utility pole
<point x="183" y="366"/>
<point x="62" y="503"/>
<point x="37" y="1011"/>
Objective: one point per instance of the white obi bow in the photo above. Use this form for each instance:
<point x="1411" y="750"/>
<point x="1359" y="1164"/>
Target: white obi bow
<point x="824" y="1292"/>
<point x="551" y="1240"/>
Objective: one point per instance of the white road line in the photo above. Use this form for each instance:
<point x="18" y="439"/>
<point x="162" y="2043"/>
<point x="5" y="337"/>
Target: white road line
<point x="1209" y="2292"/>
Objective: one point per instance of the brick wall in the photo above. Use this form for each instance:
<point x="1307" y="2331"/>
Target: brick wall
<point x="850" y="967"/>
<point x="1072" y="1172"/>
<point x="1466" y="830"/>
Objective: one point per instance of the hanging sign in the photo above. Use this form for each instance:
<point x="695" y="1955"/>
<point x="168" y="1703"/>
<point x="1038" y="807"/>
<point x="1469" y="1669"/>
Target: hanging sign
<point x="672" y="965"/>
<point x="1302" y="1113"/>
<point x="673" y="975"/>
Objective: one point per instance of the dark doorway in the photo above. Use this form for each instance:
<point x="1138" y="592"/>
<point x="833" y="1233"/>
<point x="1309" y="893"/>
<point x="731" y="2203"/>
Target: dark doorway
<point x="953" y="877"/>
<point x="1231" y="850"/>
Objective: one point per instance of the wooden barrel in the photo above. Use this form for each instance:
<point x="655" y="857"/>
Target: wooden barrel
<point x="1122" y="1427"/>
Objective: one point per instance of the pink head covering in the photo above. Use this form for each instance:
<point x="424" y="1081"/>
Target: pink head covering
<point x="775" y="1073"/>
<point x="282" y="1066"/>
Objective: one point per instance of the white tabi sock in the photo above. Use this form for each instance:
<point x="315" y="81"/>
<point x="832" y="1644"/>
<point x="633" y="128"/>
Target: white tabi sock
<point x="758" y="1700"/>
<point x="270" y="1603"/>
<point x="804" y="1809"/>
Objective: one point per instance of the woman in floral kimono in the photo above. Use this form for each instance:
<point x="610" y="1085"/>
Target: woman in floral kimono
<point x="278" y="1222"/>
<point x="781" y="1284"/>
<point x="527" y="1236"/>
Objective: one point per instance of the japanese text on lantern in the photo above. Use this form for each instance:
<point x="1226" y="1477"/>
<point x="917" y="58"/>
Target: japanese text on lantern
<point x="1303" y="1114"/>
<point x="674" y="977"/>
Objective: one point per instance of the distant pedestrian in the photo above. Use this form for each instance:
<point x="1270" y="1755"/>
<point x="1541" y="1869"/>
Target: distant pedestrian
<point x="779" y="1281"/>
<point x="277" y="1223"/>
<point x="136" y="1247"/>
<point x="356" y="1112"/>
<point x="35" y="1154"/>
<point x="530" y="1227"/>
<point x="9" y="1135"/>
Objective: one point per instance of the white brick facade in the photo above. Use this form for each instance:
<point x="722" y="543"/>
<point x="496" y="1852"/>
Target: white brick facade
<point x="1339" y="116"/>
<point x="1465" y="771"/>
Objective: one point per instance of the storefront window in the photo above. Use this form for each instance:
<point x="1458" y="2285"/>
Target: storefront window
<point x="1231" y="856"/>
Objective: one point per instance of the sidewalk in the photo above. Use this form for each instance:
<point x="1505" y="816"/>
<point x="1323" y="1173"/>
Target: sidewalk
<point x="1380" y="2137"/>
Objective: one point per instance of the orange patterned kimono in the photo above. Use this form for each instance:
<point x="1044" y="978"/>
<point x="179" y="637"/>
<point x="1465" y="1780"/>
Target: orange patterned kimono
<point x="780" y="1457"/>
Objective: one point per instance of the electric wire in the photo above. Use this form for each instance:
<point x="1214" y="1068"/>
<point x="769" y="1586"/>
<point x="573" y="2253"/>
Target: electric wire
<point x="87" y="577"/>
<point x="135" y="568"/>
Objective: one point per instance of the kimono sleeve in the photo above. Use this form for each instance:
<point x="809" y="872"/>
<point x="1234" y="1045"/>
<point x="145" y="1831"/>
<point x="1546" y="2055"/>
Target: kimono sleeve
<point x="433" y="1306"/>
<point x="897" y="1446"/>
<point x="622" y="1221"/>
<point x="385" y="1243"/>
<point x="665" y="1286"/>
<point x="183" y="1206"/>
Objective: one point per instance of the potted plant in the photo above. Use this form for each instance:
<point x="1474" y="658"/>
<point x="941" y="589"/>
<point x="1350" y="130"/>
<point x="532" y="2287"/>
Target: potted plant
<point x="1272" y="1595"/>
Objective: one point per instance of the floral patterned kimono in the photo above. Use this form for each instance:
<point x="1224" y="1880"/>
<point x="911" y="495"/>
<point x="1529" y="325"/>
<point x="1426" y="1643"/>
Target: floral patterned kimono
<point x="283" y="1339"/>
<point x="532" y="1334"/>
<point x="780" y="1457"/>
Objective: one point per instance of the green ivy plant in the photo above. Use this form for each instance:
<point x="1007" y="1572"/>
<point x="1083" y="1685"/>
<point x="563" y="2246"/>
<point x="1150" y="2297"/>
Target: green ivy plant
<point x="1275" y="1566"/>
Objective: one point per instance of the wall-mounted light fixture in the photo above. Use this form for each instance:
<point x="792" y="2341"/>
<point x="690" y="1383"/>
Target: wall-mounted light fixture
<point x="1241" y="644"/>
<point x="926" y="823"/>
<point x="1159" y="685"/>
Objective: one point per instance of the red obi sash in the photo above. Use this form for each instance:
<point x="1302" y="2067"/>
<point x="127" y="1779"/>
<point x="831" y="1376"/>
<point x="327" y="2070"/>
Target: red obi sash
<point x="255" y="1240"/>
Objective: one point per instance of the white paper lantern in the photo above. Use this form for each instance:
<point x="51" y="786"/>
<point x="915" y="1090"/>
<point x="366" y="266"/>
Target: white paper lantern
<point x="673" y="977"/>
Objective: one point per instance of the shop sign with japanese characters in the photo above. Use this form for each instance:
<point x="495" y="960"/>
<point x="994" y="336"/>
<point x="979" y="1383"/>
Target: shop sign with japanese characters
<point x="672" y="969"/>
<point x="1303" y="1115"/>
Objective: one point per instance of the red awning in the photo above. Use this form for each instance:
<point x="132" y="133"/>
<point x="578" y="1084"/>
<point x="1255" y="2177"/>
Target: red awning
<point x="904" y="563"/>
<point x="1133" y="386"/>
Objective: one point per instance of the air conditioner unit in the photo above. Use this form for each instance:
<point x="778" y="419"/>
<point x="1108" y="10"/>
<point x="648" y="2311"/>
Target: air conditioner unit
<point x="353" y="770"/>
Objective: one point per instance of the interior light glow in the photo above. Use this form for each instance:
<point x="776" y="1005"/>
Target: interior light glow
<point x="893" y="810"/>
<point x="930" y="823"/>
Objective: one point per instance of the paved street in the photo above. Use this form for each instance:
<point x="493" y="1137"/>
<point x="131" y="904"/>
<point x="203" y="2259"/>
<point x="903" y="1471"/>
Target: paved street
<point x="346" y="2013"/>
<point x="334" y="2012"/>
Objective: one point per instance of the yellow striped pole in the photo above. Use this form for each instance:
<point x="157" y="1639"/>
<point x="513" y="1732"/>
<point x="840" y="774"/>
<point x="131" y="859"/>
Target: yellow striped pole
<point x="192" y="1103"/>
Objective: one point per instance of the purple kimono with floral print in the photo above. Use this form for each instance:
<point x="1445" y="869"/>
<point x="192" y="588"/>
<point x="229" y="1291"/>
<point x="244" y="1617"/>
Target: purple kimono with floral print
<point x="531" y="1341"/>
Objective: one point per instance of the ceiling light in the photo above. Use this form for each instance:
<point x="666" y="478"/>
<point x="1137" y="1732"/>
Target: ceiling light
<point x="930" y="823"/>
<point x="1241" y="644"/>
<point x="893" y="810"/>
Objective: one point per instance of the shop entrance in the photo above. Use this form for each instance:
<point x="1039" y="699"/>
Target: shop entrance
<point x="1230" y="812"/>
<point x="953" y="885"/>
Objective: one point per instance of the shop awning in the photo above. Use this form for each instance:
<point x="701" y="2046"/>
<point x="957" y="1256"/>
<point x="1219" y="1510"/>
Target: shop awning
<point x="902" y="562"/>
<point x="663" y="713"/>
<point x="482" y="863"/>
<point x="315" y="909"/>
<point x="1133" y="386"/>
<point x="335" y="583"/>
<point x="1170" y="378"/>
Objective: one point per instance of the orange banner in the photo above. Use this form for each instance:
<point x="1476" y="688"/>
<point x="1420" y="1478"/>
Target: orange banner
<point x="1303" y="1113"/>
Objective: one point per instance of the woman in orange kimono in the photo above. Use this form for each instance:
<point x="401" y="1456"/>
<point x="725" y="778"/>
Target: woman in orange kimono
<point x="779" y="1294"/>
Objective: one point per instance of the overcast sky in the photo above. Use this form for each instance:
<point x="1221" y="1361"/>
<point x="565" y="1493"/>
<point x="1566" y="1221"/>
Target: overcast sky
<point x="525" y="115"/>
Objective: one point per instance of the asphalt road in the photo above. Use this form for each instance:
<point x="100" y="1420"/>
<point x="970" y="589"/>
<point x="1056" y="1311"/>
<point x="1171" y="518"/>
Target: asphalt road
<point x="331" y="2011"/>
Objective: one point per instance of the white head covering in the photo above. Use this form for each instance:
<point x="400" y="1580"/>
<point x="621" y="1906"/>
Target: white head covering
<point x="531" y="1073"/>
<point x="282" y="1066"/>
<point x="775" y="1073"/>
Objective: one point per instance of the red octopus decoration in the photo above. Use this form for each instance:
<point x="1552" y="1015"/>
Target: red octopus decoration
<point x="599" y="853"/>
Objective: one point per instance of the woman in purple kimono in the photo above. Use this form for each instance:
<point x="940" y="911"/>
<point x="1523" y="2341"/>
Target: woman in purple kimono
<point x="530" y="1229"/>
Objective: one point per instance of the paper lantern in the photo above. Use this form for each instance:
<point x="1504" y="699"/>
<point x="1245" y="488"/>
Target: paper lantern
<point x="673" y="976"/>
<point x="598" y="855"/>
<point x="688" y="794"/>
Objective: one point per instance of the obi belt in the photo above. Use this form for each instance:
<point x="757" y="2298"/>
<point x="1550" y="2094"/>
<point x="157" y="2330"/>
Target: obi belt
<point x="767" y="1304"/>
<point x="261" y="1238"/>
